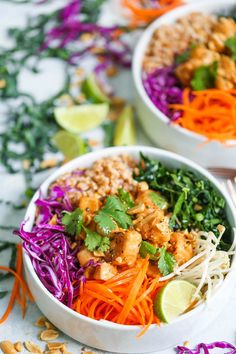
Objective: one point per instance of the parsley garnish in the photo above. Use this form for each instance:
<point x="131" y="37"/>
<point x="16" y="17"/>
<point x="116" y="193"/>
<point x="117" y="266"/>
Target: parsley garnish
<point x="126" y="199"/>
<point x="230" y="43"/>
<point x="166" y="260"/>
<point x="204" y="77"/>
<point x="112" y="213"/>
<point x="96" y="242"/>
<point x="73" y="221"/>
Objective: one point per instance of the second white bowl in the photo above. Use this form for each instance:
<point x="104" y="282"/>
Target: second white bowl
<point x="155" y="123"/>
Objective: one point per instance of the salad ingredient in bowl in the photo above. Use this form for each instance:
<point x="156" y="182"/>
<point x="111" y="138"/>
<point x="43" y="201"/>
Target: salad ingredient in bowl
<point x="192" y="79"/>
<point x="114" y="240"/>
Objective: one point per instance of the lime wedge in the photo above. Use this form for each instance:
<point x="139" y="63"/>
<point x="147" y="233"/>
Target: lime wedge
<point x="78" y="119"/>
<point x="69" y="144"/>
<point x="173" y="299"/>
<point x="125" y="132"/>
<point x="92" y="90"/>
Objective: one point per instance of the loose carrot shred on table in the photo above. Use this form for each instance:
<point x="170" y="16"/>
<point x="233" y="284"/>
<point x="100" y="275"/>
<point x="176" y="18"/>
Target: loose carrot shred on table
<point x="20" y="289"/>
<point x="140" y="15"/>
<point x="118" y="301"/>
<point x="211" y="113"/>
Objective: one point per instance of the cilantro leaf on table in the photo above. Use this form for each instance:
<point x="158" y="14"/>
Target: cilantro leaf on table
<point x="230" y="43"/>
<point x="73" y="221"/>
<point x="112" y="213"/>
<point x="166" y="262"/>
<point x="204" y="77"/>
<point x="95" y="242"/>
<point x="125" y="198"/>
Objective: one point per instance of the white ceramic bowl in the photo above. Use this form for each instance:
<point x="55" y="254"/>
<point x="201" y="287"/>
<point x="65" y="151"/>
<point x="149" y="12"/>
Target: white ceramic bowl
<point x="120" y="338"/>
<point x="155" y="123"/>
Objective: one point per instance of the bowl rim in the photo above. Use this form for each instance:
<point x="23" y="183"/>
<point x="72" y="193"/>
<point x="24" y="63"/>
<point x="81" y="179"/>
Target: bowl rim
<point x="112" y="151"/>
<point x="170" y="18"/>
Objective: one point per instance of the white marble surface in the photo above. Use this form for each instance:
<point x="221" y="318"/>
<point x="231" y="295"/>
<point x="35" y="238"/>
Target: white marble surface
<point x="17" y="328"/>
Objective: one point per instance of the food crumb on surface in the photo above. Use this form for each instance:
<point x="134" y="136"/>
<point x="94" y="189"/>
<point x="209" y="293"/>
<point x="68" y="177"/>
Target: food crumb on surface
<point x="7" y="347"/>
<point x="49" y="334"/>
<point x="18" y="347"/>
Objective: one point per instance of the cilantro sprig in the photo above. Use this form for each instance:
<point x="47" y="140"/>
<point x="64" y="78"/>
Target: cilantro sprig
<point x="205" y="76"/>
<point x="73" y="221"/>
<point x="230" y="43"/>
<point x="113" y="213"/>
<point x="165" y="260"/>
<point x="95" y="242"/>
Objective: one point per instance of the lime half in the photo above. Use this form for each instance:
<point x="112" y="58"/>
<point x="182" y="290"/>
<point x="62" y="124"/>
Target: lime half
<point x="93" y="91"/>
<point x="78" y="119"/>
<point x="173" y="299"/>
<point x="125" y="132"/>
<point x="69" y="144"/>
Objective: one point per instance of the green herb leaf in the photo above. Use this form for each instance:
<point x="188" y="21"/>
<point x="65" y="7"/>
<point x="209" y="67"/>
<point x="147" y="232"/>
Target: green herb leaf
<point x="125" y="198"/>
<point x="3" y="294"/>
<point x="230" y="43"/>
<point x="109" y="129"/>
<point x="105" y="222"/>
<point x="158" y="200"/>
<point x="181" y="58"/>
<point x="73" y="221"/>
<point x="96" y="242"/>
<point x="204" y="77"/>
<point x="166" y="262"/>
<point x="111" y="213"/>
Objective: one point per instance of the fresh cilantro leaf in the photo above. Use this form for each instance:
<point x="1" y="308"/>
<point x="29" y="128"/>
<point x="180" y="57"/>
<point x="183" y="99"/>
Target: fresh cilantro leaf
<point x="113" y="212"/>
<point x="96" y="242"/>
<point x="105" y="222"/>
<point x="230" y="43"/>
<point x="204" y="77"/>
<point x="158" y="200"/>
<point x="104" y="244"/>
<point x="181" y="58"/>
<point x="73" y="221"/>
<point x="125" y="198"/>
<point x="166" y="262"/>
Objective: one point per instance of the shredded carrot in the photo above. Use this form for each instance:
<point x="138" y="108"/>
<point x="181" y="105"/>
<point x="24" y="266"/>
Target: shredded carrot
<point x="126" y="298"/>
<point x="211" y="113"/>
<point x="140" y="15"/>
<point x="20" y="289"/>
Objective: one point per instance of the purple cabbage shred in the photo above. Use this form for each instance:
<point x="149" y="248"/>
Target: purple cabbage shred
<point x="203" y="348"/>
<point x="164" y="88"/>
<point x="103" y="41"/>
<point x="49" y="249"/>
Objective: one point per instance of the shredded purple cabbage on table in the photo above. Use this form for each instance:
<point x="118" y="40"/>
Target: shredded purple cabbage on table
<point x="204" y="348"/>
<point x="53" y="259"/>
<point x="164" y="88"/>
<point x="103" y="40"/>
